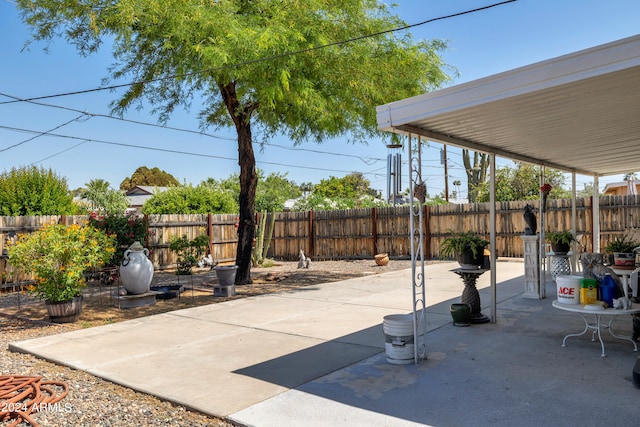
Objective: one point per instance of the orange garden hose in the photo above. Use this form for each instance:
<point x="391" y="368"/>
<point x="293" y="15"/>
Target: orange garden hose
<point x="20" y="395"/>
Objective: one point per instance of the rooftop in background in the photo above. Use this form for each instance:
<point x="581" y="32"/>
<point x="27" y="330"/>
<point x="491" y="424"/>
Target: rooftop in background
<point x="140" y="194"/>
<point x="620" y="188"/>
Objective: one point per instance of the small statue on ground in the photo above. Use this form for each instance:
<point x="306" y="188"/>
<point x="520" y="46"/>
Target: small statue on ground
<point x="303" y="261"/>
<point x="530" y="220"/>
<point x="207" y="261"/>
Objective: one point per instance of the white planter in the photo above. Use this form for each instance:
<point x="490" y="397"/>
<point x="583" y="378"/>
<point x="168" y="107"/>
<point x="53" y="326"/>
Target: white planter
<point x="136" y="271"/>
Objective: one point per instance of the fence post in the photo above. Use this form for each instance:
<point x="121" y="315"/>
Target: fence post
<point x="311" y="239"/>
<point x="427" y="234"/>
<point x="146" y="230"/>
<point x="374" y="226"/>
<point x="210" y="232"/>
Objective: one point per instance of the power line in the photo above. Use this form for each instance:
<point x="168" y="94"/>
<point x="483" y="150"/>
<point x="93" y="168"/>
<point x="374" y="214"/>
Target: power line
<point x="166" y="150"/>
<point x="268" y="58"/>
<point x="116" y="118"/>
<point x="58" y="153"/>
<point x="39" y="134"/>
<point x="366" y="160"/>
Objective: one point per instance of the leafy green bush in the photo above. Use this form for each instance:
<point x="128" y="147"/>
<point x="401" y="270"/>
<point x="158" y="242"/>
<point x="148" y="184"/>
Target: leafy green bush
<point x="34" y="191"/>
<point x="189" y="251"/>
<point x="188" y="199"/>
<point x="58" y="256"/>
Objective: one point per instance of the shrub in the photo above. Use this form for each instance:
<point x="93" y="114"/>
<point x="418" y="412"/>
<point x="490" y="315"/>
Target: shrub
<point x="58" y="255"/>
<point x="126" y="229"/>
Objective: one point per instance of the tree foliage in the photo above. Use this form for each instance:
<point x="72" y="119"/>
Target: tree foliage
<point x="352" y="186"/>
<point x="271" y="192"/>
<point x="280" y="67"/>
<point x="188" y="199"/>
<point x="152" y="177"/>
<point x="522" y="183"/>
<point x="317" y="202"/>
<point x="34" y="191"/>
<point x="103" y="199"/>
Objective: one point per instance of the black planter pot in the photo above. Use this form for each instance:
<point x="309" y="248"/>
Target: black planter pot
<point x="466" y="259"/>
<point x="560" y="248"/>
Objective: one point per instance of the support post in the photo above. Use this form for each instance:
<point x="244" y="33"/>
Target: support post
<point x="416" y="225"/>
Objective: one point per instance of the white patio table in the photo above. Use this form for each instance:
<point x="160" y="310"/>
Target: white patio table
<point x="598" y="324"/>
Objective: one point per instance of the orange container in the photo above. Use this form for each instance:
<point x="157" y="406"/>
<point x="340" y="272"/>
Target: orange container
<point x="588" y="291"/>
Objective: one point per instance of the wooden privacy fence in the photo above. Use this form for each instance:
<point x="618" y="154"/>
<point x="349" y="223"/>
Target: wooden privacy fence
<point x="361" y="233"/>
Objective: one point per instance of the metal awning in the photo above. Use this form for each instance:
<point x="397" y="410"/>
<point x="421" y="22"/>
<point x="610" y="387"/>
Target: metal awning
<point x="578" y="113"/>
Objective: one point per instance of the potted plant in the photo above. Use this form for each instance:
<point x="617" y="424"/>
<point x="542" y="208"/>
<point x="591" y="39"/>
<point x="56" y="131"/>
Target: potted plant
<point x="560" y="241"/>
<point x="467" y="247"/>
<point x="57" y="256"/>
<point x="188" y="251"/>
<point x="622" y="250"/>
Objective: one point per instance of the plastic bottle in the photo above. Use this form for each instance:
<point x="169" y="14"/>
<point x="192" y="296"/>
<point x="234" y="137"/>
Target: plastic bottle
<point x="608" y="290"/>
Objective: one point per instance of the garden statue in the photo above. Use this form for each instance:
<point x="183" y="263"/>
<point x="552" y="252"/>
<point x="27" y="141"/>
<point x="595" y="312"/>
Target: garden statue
<point x="530" y="220"/>
<point x="303" y="261"/>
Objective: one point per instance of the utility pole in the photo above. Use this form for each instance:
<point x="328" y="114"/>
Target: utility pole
<point x="443" y="161"/>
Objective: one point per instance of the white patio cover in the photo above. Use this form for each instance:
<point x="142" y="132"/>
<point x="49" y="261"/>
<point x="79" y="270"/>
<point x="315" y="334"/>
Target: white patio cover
<point x="578" y="113"/>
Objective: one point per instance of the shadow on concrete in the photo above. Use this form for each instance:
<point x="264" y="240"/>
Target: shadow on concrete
<point x="513" y="372"/>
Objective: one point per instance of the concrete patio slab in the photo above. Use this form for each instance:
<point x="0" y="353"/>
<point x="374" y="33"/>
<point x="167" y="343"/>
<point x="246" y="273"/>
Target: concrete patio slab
<point x="316" y="358"/>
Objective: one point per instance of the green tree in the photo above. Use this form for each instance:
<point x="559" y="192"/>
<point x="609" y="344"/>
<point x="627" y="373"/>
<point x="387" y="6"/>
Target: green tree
<point x="144" y="176"/>
<point x="586" y="191"/>
<point x="103" y="199"/>
<point x="317" y="202"/>
<point x="280" y="67"/>
<point x="522" y="183"/>
<point x="271" y="193"/>
<point x="352" y="186"/>
<point x="34" y="191"/>
<point x="188" y="199"/>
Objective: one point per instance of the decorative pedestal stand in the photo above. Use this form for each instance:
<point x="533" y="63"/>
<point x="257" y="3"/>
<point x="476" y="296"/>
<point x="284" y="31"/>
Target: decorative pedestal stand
<point x="560" y="265"/>
<point x="470" y="294"/>
<point x="532" y="288"/>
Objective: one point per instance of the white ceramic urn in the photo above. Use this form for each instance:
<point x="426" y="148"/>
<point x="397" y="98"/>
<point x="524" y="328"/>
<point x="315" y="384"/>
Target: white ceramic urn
<point x="136" y="270"/>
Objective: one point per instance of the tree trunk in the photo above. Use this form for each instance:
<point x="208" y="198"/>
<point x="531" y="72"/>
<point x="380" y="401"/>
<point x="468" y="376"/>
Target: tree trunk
<point x="241" y="115"/>
<point x="247" y="226"/>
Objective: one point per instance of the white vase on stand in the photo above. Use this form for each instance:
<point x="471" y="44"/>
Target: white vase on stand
<point x="136" y="270"/>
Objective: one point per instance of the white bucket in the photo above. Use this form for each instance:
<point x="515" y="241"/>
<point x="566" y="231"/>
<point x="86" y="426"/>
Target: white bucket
<point x="398" y="338"/>
<point x="568" y="289"/>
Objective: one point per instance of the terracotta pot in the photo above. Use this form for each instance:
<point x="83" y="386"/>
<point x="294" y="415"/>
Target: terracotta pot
<point x="382" y="259"/>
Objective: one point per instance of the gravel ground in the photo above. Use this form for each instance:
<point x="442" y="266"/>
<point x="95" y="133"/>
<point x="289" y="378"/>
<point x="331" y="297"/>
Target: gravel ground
<point x="95" y="402"/>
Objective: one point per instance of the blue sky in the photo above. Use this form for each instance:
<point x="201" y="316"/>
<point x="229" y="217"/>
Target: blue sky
<point x="480" y="44"/>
